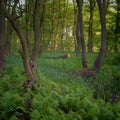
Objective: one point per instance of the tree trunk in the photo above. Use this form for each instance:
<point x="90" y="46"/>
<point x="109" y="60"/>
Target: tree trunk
<point x="102" y="11"/>
<point x="9" y="26"/>
<point x="78" y="38"/>
<point x="2" y="42"/>
<point x="76" y="30"/>
<point x="74" y="25"/>
<point x="28" y="23"/>
<point x="90" y="30"/>
<point x="80" y="4"/>
<point x="117" y="28"/>
<point x="8" y="38"/>
<point x="37" y="25"/>
<point x="25" y="54"/>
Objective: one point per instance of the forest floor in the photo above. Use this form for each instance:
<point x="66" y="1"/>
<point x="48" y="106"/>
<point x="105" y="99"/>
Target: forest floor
<point x="61" y="93"/>
<point x="62" y="69"/>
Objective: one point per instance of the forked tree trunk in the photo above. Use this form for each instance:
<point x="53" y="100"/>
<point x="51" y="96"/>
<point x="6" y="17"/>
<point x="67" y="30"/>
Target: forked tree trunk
<point x="102" y="12"/>
<point x="80" y="5"/>
<point x="24" y="53"/>
<point x="29" y="63"/>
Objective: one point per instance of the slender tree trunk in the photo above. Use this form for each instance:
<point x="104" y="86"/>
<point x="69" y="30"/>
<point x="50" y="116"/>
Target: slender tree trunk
<point x="62" y="38"/>
<point x="117" y="28"/>
<point x="74" y="25"/>
<point x="37" y="25"/>
<point x="76" y="30"/>
<point x="63" y="34"/>
<point x="2" y="42"/>
<point x="37" y="32"/>
<point x="8" y="38"/>
<point x="24" y="53"/>
<point x="102" y="12"/>
<point x="53" y="27"/>
<point x="78" y="37"/>
<point x="28" y="23"/>
<point x="64" y="27"/>
<point x="9" y="27"/>
<point x="90" y="30"/>
<point x="80" y="4"/>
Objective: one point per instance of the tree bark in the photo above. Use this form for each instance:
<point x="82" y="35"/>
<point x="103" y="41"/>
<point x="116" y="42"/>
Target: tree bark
<point x="27" y="22"/>
<point x="24" y="53"/>
<point x="117" y="28"/>
<point x="90" y="30"/>
<point x="102" y="12"/>
<point x="37" y="25"/>
<point x="2" y="42"/>
<point x="78" y="38"/>
<point x="80" y="4"/>
<point x="9" y="26"/>
<point x="8" y="38"/>
<point x="74" y="25"/>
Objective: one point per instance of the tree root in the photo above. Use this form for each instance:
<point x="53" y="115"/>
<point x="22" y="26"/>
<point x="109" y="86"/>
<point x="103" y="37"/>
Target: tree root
<point x="29" y="84"/>
<point x="86" y="72"/>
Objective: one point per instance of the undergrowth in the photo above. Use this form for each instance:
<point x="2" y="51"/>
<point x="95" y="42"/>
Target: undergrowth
<point x="61" y="94"/>
<point x="106" y="83"/>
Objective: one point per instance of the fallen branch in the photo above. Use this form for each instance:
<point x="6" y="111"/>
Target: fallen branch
<point x="60" y="56"/>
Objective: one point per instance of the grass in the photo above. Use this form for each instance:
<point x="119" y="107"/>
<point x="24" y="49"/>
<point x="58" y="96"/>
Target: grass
<point x="62" y="69"/>
<point x="61" y="95"/>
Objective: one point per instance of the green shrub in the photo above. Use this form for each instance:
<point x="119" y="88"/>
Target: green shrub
<point x="112" y="59"/>
<point x="107" y="82"/>
<point x="11" y="104"/>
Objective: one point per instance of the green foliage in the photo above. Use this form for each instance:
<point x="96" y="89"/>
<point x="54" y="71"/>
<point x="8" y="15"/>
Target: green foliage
<point x="113" y="59"/>
<point x="61" y="95"/>
<point x="70" y="102"/>
<point x="11" y="104"/>
<point x="63" y="102"/>
<point x="116" y="60"/>
<point x="107" y="82"/>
